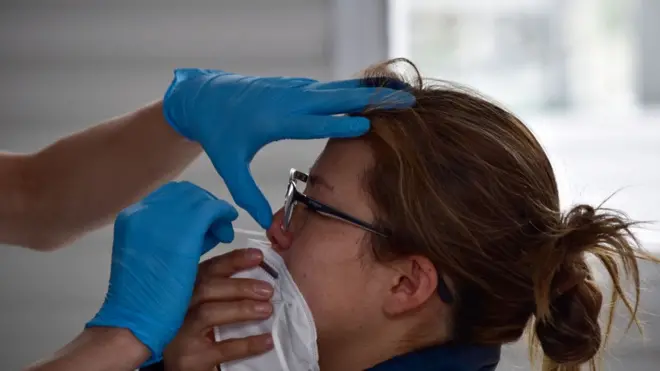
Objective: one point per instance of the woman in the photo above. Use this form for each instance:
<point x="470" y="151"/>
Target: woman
<point x="437" y="237"/>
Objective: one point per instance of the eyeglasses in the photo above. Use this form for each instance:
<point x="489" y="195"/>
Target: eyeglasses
<point x="294" y="196"/>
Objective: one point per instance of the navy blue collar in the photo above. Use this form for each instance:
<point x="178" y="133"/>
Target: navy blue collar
<point x="445" y="358"/>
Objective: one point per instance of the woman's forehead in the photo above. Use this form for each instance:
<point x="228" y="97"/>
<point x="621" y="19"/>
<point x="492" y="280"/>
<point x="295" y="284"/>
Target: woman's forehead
<point x="353" y="155"/>
<point x="341" y="168"/>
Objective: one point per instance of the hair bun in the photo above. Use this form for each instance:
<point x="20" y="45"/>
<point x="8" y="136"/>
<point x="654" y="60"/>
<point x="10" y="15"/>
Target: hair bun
<point x="571" y="333"/>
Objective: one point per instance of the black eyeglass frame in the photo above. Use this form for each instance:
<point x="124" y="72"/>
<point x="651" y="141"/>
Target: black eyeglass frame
<point x="293" y="195"/>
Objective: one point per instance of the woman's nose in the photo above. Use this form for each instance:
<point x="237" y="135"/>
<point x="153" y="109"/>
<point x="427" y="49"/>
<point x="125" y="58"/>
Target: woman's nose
<point x="280" y="239"/>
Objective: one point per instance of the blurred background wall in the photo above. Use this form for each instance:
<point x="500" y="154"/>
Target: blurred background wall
<point x="582" y="74"/>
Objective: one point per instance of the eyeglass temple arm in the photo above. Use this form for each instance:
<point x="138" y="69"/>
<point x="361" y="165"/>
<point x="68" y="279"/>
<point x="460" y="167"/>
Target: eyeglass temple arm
<point x="327" y="210"/>
<point x="334" y="213"/>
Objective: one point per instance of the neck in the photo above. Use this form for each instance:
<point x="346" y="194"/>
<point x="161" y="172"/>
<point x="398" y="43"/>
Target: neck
<point x="364" y="351"/>
<point x="354" y="356"/>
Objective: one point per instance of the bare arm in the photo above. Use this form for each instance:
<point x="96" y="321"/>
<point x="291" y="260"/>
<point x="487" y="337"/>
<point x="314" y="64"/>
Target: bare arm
<point x="98" y="349"/>
<point x="80" y="182"/>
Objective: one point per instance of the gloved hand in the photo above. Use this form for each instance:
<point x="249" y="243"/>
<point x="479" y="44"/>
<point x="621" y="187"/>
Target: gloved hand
<point x="234" y="116"/>
<point x="157" y="246"/>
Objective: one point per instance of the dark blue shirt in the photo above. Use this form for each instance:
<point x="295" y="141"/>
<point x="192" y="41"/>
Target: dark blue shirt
<point x="438" y="358"/>
<point x="445" y="358"/>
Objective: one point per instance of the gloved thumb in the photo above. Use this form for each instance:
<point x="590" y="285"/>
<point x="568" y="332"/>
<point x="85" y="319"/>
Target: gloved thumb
<point x="223" y="231"/>
<point x="247" y="195"/>
<point x="220" y="232"/>
<point x="216" y="216"/>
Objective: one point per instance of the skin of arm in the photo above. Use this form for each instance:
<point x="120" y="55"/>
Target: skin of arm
<point x="98" y="349"/>
<point x="79" y="183"/>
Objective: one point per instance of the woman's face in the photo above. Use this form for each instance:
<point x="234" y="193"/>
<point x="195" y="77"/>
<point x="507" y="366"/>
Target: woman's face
<point x="329" y="259"/>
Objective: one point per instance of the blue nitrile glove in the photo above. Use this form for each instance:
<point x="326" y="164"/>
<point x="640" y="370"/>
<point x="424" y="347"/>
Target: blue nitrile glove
<point x="234" y="116"/>
<point x="157" y="246"/>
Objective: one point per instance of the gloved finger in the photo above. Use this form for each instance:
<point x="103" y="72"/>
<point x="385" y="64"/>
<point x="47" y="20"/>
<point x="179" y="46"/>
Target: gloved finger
<point x="207" y="315"/>
<point x="215" y="212"/>
<point x="337" y="101"/>
<point x="288" y="82"/>
<point x="209" y="195"/>
<point x="338" y="84"/>
<point x="220" y="288"/>
<point x="220" y="232"/>
<point x="366" y="82"/>
<point x="164" y="190"/>
<point x="246" y="193"/>
<point x="318" y="127"/>
<point x="168" y="191"/>
<point x="227" y="264"/>
<point x="183" y="74"/>
<point x="210" y="241"/>
<point x="215" y="72"/>
<point x="180" y="190"/>
<point x="235" y="349"/>
<point x="223" y="231"/>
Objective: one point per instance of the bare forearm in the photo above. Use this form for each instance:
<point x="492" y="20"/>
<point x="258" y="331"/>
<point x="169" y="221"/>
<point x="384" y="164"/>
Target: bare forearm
<point x="98" y="349"/>
<point x="81" y="181"/>
<point x="13" y="201"/>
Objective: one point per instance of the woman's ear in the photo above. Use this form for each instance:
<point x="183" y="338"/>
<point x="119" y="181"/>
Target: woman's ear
<point x="414" y="282"/>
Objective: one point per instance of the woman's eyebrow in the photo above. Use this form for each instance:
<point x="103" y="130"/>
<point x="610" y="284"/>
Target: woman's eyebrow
<point x="320" y="181"/>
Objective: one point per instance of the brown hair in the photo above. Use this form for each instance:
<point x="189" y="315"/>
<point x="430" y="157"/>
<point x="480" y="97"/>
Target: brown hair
<point x="463" y="182"/>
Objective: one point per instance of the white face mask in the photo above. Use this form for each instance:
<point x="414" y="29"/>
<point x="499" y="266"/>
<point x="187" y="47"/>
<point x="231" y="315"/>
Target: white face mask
<point x="292" y="324"/>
